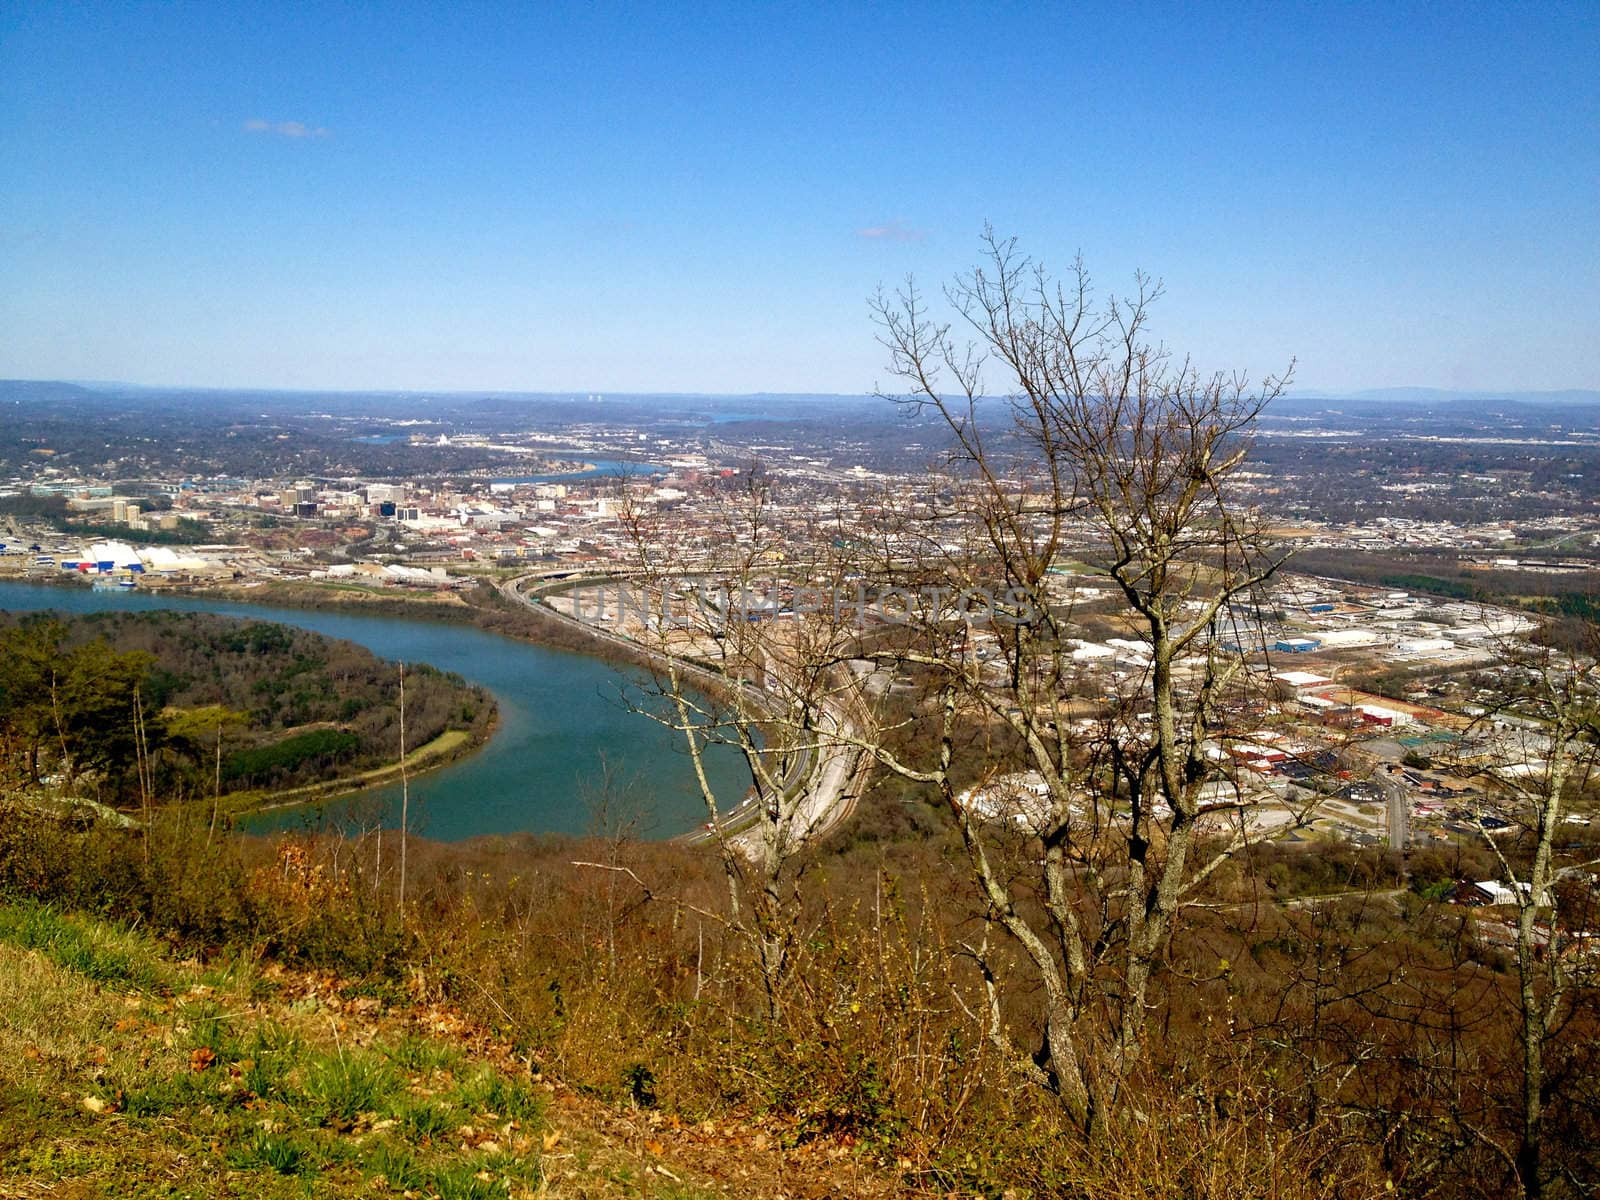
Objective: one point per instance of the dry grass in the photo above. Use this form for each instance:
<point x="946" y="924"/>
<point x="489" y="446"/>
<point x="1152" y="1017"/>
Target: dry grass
<point x="125" y="1073"/>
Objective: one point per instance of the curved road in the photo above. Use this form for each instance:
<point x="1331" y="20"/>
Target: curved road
<point x="838" y="782"/>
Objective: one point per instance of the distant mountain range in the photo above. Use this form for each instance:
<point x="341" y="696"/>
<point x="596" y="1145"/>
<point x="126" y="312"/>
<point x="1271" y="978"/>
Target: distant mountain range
<point x="1426" y="395"/>
<point x="766" y="402"/>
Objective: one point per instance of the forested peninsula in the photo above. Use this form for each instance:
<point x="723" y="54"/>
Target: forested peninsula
<point x="132" y="708"/>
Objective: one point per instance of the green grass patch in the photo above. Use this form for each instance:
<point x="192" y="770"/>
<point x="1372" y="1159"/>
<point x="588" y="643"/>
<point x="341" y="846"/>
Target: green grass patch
<point x="396" y="1166"/>
<point x="267" y="1056"/>
<point x="201" y="1089"/>
<point x="424" y="1118"/>
<point x="422" y="1056"/>
<point x="342" y="1085"/>
<point x="274" y="1152"/>
<point x="487" y="1091"/>
<point x="236" y="971"/>
<point x="96" y="950"/>
<point x="482" y="1178"/>
<point x="205" y="1026"/>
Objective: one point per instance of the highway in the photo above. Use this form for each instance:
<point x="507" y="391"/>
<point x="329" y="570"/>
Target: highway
<point x="835" y="785"/>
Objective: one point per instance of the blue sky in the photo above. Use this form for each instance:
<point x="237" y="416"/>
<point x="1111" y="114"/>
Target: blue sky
<point x="702" y="197"/>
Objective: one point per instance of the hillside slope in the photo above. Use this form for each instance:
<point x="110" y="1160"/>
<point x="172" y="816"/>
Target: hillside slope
<point x="126" y="1072"/>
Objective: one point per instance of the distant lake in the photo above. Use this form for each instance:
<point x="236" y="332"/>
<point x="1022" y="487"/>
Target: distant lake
<point x="563" y="720"/>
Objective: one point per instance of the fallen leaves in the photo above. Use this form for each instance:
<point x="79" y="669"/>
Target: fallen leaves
<point x="99" y="1104"/>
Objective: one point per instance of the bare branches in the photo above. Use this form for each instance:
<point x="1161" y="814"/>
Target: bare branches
<point x="1535" y="752"/>
<point x="1072" y="433"/>
<point x="728" y="673"/>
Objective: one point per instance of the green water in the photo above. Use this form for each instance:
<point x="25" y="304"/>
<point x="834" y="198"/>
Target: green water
<point x="565" y="725"/>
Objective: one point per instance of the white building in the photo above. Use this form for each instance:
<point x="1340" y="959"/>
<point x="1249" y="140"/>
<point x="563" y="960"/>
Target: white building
<point x="1344" y="639"/>
<point x="1420" y="647"/>
<point x="1302" y="680"/>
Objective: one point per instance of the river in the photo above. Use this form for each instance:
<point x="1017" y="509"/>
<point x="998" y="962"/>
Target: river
<point x="564" y="721"/>
<point x="594" y="469"/>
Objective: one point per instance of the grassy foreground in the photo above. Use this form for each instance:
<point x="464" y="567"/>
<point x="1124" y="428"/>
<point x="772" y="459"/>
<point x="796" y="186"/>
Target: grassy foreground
<point x="182" y="1015"/>
<point x="124" y="1072"/>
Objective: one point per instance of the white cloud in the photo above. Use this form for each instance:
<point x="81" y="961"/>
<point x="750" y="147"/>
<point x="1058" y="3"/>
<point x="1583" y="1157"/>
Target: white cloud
<point x="892" y="231"/>
<point x="288" y="129"/>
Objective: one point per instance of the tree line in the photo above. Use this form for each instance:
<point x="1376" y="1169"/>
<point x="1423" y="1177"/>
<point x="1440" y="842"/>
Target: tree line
<point x="203" y="700"/>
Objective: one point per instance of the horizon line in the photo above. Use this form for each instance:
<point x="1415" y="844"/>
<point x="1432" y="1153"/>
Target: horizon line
<point x="1294" y="392"/>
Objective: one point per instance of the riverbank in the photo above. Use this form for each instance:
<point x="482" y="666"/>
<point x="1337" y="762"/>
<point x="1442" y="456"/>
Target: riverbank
<point x="568" y="742"/>
<point x="255" y="715"/>
<point x="450" y="746"/>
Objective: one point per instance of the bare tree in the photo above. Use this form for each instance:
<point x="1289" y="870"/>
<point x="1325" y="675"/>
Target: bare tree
<point x="1535" y="753"/>
<point x="614" y="819"/>
<point x="737" y="662"/>
<point x="1073" y="437"/>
